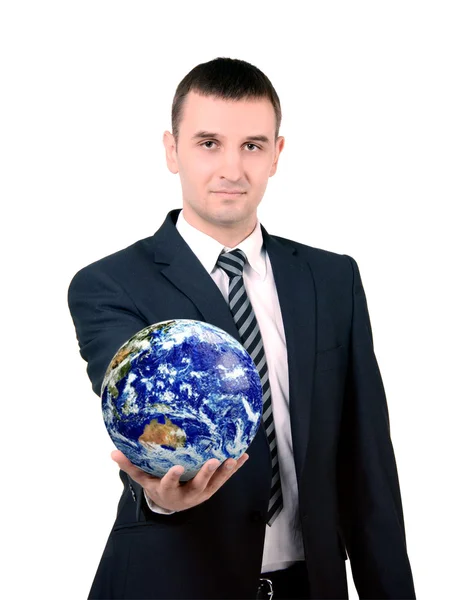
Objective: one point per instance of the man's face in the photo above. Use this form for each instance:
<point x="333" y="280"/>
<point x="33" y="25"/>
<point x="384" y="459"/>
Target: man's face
<point x="219" y="150"/>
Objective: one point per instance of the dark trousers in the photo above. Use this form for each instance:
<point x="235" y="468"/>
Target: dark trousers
<point x="287" y="584"/>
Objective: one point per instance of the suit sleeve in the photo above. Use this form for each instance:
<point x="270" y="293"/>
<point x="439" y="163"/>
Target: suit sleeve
<point x="370" y="507"/>
<point x="105" y="318"/>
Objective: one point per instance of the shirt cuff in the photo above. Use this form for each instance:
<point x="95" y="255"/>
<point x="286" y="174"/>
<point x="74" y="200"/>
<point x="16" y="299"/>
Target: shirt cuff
<point x="155" y="508"/>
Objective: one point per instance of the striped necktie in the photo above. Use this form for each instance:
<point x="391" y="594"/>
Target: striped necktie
<point x="243" y="314"/>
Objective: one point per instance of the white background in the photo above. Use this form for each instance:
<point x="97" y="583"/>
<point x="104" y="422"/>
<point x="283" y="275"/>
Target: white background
<point x="370" y="98"/>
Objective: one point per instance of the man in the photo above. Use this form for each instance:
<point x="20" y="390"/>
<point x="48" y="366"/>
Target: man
<point x="321" y="477"/>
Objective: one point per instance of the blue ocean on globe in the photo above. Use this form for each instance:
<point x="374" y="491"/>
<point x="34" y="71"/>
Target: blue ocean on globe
<point x="181" y="392"/>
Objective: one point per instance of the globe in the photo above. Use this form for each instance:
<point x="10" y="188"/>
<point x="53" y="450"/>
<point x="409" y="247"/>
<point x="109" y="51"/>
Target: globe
<point x="180" y="392"/>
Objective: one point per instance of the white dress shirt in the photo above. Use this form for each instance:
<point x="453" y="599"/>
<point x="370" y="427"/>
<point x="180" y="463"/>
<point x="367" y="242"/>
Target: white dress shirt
<point x="283" y="540"/>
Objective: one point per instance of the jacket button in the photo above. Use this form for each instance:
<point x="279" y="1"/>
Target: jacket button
<point x="133" y="493"/>
<point x="256" y="516"/>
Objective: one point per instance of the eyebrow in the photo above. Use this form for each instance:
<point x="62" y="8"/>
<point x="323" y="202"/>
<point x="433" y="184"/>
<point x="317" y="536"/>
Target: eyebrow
<point x="207" y="134"/>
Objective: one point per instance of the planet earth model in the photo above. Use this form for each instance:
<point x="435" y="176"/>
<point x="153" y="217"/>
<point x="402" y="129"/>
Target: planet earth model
<point x="181" y="392"/>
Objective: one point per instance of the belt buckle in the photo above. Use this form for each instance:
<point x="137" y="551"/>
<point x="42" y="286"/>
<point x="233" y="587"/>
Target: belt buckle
<point x="265" y="587"/>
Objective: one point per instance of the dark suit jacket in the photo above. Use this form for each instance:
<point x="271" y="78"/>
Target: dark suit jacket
<point x="346" y="472"/>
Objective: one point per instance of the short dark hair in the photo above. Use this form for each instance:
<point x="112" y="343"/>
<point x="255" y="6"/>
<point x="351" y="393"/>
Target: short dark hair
<point x="226" y="78"/>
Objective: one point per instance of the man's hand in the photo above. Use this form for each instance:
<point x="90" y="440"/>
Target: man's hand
<point x="168" y="492"/>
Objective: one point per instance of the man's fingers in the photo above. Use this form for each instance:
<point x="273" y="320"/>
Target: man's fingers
<point x="224" y="472"/>
<point x="171" y="480"/>
<point x="210" y="480"/>
<point x="201" y="479"/>
<point x="242" y="459"/>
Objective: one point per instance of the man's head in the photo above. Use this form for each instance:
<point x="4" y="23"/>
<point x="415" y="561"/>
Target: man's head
<point x="225" y="120"/>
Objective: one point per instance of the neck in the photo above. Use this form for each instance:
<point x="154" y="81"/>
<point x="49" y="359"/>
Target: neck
<point x="228" y="235"/>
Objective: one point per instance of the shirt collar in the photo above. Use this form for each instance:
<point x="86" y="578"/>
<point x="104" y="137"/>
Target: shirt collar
<point x="207" y="249"/>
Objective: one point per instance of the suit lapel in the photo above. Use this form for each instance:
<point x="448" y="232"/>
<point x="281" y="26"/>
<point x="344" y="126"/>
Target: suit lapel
<point x="188" y="274"/>
<point x="296" y="294"/>
<point x="183" y="269"/>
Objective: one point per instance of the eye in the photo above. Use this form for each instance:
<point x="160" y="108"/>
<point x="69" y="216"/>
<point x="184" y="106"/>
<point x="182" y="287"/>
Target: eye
<point x="212" y="142"/>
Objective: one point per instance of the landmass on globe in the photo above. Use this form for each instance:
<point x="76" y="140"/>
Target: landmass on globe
<point x="166" y="434"/>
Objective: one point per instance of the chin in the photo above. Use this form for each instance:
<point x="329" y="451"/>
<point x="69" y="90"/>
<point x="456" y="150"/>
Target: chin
<point x="231" y="214"/>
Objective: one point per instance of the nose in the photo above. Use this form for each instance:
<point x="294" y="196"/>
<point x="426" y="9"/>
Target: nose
<point x="231" y="167"/>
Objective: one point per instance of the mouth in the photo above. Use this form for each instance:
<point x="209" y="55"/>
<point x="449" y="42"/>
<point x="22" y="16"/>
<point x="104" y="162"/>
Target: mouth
<point x="229" y="194"/>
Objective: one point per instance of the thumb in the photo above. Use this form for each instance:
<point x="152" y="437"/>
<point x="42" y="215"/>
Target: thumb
<point x="122" y="461"/>
<point x="127" y="466"/>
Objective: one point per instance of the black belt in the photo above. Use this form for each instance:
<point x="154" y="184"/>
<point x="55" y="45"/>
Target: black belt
<point x="283" y="583"/>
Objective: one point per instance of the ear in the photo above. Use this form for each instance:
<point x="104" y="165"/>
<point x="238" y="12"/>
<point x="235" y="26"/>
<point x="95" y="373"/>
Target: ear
<point x="279" y="145"/>
<point x="171" y="152"/>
